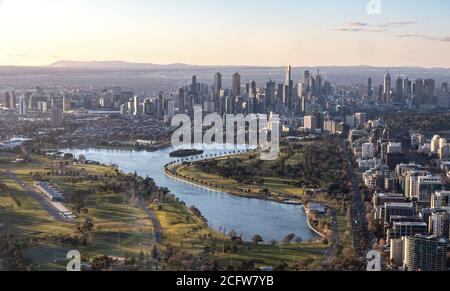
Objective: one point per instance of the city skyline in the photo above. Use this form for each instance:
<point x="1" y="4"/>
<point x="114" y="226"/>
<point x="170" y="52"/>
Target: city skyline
<point x="406" y="33"/>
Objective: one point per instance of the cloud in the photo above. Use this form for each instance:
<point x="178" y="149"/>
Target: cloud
<point x="357" y="26"/>
<point x="398" y="23"/>
<point x="347" y="29"/>
<point x="423" y="36"/>
<point x="20" y="55"/>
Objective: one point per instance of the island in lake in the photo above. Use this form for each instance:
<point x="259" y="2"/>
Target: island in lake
<point x="185" y="153"/>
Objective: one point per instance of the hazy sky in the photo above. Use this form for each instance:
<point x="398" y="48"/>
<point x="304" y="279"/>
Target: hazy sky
<point x="226" y="32"/>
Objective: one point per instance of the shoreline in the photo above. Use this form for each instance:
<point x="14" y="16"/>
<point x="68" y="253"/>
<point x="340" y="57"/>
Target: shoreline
<point x="168" y="173"/>
<point x="172" y="176"/>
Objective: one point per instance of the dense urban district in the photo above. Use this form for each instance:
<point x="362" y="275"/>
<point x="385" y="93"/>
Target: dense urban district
<point x="368" y="163"/>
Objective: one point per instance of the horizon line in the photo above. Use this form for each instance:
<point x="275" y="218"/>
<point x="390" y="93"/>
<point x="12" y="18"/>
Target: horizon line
<point x="53" y="65"/>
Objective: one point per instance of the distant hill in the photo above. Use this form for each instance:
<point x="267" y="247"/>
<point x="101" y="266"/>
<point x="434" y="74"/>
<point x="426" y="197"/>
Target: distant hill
<point x="112" y="65"/>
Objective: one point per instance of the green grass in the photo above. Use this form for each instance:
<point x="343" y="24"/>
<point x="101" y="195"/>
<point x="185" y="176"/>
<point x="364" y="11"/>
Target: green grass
<point x="278" y="186"/>
<point x="181" y="230"/>
<point x="113" y="216"/>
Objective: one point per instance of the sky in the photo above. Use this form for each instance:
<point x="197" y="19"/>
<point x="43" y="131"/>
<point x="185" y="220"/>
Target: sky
<point x="227" y="32"/>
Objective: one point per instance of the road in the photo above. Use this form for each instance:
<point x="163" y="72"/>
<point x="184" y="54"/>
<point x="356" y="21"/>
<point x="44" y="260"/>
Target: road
<point x="332" y="252"/>
<point x="362" y="239"/>
<point x="155" y="222"/>
<point x="43" y="201"/>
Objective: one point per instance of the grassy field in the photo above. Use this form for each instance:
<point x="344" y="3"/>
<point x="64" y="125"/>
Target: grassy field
<point x="188" y="233"/>
<point x="301" y="166"/>
<point x="278" y="187"/>
<point x="119" y="226"/>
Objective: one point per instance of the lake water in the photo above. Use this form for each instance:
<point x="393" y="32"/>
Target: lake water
<point x="273" y="221"/>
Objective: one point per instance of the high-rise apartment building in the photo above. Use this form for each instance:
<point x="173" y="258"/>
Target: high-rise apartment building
<point x="425" y="254"/>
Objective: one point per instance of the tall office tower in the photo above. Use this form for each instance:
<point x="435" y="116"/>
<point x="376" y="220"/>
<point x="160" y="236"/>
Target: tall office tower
<point x="160" y="104"/>
<point x="407" y="90"/>
<point x="130" y="106"/>
<point x="230" y="105"/>
<point x="251" y="89"/>
<point x="327" y="88"/>
<point x="22" y="106"/>
<point x="236" y="84"/>
<point x="444" y="87"/>
<point x="369" y="88"/>
<point x="312" y="86"/>
<point x="380" y="93"/>
<point x="39" y="92"/>
<point x="419" y="92"/>
<point x="425" y="254"/>
<point x="57" y="117"/>
<point x="280" y="94"/>
<point x="7" y="100"/>
<point x="66" y="104"/>
<point x="288" y="88"/>
<point x="181" y="101"/>
<point x="318" y="85"/>
<point x="270" y="94"/>
<point x="194" y="86"/>
<point x="306" y="77"/>
<point x="387" y="88"/>
<point x="399" y="90"/>
<point x="29" y="100"/>
<point x="14" y="101"/>
<point x="300" y="88"/>
<point x="217" y="84"/>
<point x="429" y="90"/>
<point x="136" y="110"/>
<point x="169" y="106"/>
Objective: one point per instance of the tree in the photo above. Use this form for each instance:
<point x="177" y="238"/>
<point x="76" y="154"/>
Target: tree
<point x="288" y="239"/>
<point x="298" y="240"/>
<point x="257" y="239"/>
<point x="82" y="158"/>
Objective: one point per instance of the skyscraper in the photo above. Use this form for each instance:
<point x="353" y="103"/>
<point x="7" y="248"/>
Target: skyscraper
<point x="22" y="106"/>
<point x="318" y="85"/>
<point x="444" y="87"/>
<point x="7" y="100"/>
<point x="288" y="88"/>
<point x="181" y="101"/>
<point x="399" y="90"/>
<point x="387" y="88"/>
<point x="418" y="92"/>
<point x="57" y="117"/>
<point x="66" y="104"/>
<point x="407" y="90"/>
<point x="425" y="254"/>
<point x="251" y="89"/>
<point x="306" y="77"/>
<point x="270" y="93"/>
<point x="429" y="90"/>
<point x="369" y="88"/>
<point x="217" y="84"/>
<point x="236" y="84"/>
<point x="194" y="86"/>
